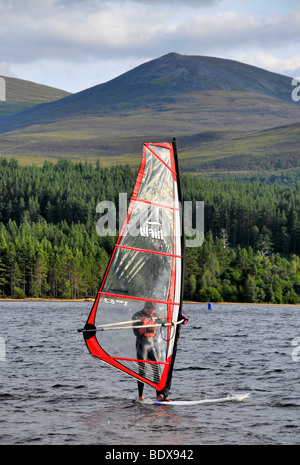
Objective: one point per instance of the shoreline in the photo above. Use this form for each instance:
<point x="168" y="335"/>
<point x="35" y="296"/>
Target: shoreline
<point x="90" y="299"/>
<point x="40" y="299"/>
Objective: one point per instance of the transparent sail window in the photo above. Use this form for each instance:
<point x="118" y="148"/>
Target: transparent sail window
<point x="156" y="174"/>
<point x="119" y="334"/>
<point x="139" y="274"/>
<point x="150" y="227"/>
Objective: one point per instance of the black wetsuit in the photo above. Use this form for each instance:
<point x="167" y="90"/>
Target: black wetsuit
<point x="145" y="347"/>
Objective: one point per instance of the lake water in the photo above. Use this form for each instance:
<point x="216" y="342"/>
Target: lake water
<point x="53" y="392"/>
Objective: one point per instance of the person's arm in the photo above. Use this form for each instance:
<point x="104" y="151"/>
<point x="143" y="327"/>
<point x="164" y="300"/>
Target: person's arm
<point x="136" y="321"/>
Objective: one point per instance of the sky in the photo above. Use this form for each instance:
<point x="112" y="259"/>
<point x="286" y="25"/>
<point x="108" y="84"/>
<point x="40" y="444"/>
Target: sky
<point x="76" y="44"/>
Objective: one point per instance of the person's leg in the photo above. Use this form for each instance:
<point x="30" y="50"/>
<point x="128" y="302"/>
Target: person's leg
<point x="160" y="395"/>
<point x="141" y="353"/>
<point x="140" y="390"/>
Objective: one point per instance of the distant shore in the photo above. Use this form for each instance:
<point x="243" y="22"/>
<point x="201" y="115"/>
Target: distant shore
<point x="89" y="299"/>
<point x="39" y="299"/>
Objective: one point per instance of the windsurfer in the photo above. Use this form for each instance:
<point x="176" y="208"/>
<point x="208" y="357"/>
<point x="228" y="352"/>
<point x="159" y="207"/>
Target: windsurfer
<point x="145" y="347"/>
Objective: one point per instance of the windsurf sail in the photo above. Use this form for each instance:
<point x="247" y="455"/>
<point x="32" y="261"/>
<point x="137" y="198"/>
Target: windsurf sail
<point x="145" y="270"/>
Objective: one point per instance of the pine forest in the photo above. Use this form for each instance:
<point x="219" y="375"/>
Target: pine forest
<point x="50" y="248"/>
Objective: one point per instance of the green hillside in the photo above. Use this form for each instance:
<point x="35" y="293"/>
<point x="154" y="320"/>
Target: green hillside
<point x="220" y="152"/>
<point x="21" y="94"/>
<point x="269" y="149"/>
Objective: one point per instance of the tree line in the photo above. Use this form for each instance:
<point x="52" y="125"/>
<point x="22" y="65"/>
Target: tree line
<point x="216" y="273"/>
<point x="49" y="246"/>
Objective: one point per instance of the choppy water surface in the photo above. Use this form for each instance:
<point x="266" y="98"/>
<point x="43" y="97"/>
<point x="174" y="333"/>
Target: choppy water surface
<point x="53" y="392"/>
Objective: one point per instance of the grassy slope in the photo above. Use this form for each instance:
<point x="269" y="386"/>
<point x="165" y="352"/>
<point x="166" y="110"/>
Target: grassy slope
<point x="207" y="140"/>
<point x="275" y="148"/>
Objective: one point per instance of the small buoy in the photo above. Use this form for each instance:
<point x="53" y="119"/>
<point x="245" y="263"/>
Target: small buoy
<point x="210" y="306"/>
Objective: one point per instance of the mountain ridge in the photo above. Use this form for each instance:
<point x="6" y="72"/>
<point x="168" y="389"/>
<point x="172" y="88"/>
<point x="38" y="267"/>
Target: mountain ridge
<point x="160" y="79"/>
<point x="189" y="97"/>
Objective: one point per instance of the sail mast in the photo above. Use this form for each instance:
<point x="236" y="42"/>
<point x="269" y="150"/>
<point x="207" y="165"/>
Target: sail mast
<point x="180" y="237"/>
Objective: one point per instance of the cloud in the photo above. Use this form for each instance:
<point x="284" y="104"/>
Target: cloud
<point x="231" y="30"/>
<point x="78" y="33"/>
<point x="68" y="33"/>
<point x="77" y="30"/>
<point x="192" y="3"/>
<point x="289" y="66"/>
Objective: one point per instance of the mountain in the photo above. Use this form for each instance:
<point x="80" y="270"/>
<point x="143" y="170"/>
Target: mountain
<point x="21" y="94"/>
<point x="225" y="115"/>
